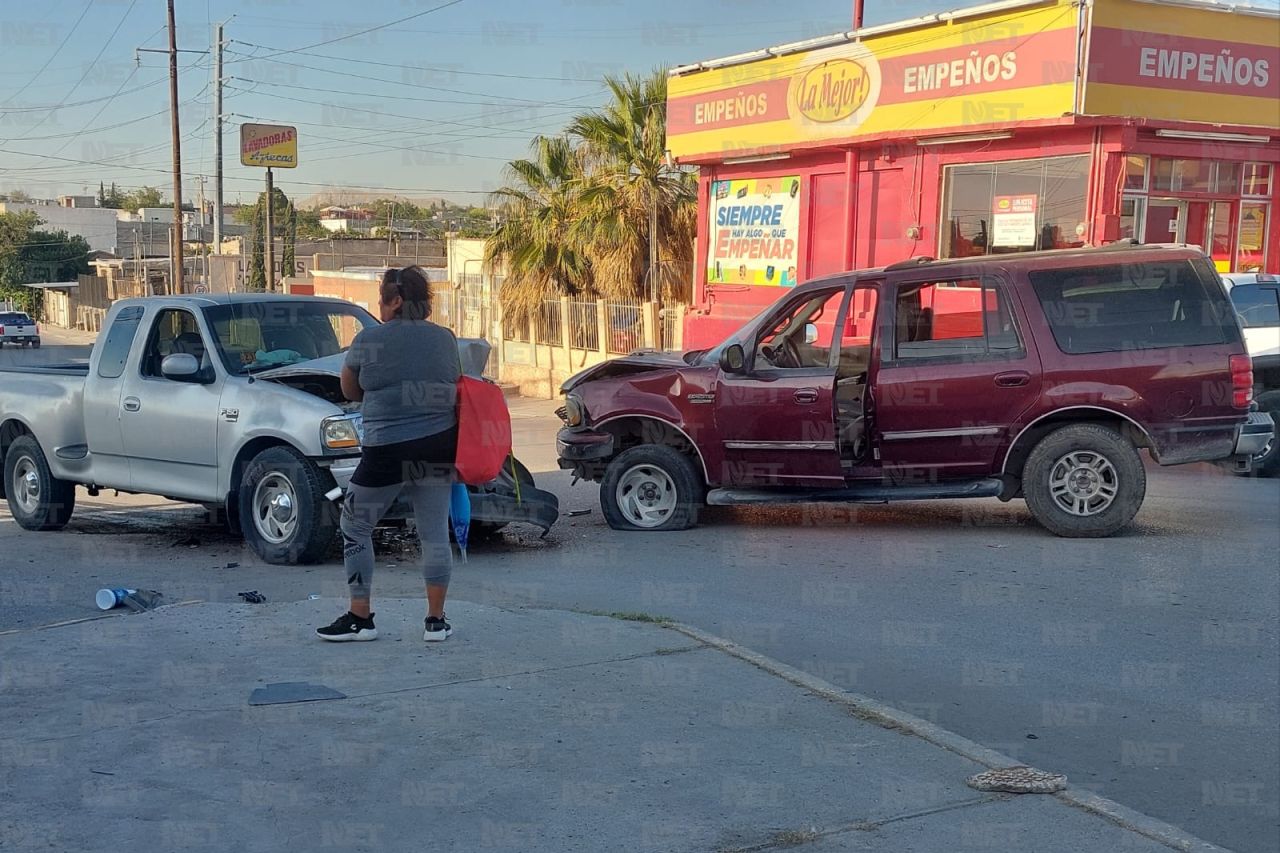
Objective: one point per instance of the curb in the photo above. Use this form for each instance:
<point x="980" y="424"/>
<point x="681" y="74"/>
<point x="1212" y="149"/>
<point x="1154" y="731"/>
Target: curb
<point x="866" y="708"/>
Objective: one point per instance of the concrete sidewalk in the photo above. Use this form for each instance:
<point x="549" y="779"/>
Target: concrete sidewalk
<point x="528" y="730"/>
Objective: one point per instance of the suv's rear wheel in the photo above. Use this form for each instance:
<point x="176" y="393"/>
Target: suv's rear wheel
<point x="651" y="487"/>
<point x="283" y="511"/>
<point x="1084" y="480"/>
<point x="37" y="500"/>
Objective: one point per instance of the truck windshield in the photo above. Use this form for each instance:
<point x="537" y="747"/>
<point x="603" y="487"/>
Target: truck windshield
<point x="259" y="335"/>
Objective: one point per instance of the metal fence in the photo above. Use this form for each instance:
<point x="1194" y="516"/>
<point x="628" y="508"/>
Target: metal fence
<point x="549" y="324"/>
<point x="670" y="335"/>
<point x="626" y="328"/>
<point x="584" y="324"/>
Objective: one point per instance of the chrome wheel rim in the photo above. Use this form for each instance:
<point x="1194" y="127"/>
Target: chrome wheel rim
<point x="646" y="495"/>
<point x="1084" y="483"/>
<point x="26" y="485"/>
<point x="275" y="508"/>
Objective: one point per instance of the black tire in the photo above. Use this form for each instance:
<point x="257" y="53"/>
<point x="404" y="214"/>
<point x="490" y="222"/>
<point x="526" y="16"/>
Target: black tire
<point x="301" y="534"/>
<point x="1268" y="464"/>
<point x="673" y="489"/>
<point x="43" y="502"/>
<point x="35" y="344"/>
<point x="1104" y="512"/>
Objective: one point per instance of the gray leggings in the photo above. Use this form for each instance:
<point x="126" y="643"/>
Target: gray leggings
<point x="365" y="506"/>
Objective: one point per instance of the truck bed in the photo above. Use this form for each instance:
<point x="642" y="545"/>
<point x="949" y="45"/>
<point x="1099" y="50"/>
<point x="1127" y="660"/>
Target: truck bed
<point x="68" y="369"/>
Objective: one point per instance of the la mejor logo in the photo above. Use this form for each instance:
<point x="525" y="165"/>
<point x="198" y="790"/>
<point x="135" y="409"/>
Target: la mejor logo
<point x="836" y="90"/>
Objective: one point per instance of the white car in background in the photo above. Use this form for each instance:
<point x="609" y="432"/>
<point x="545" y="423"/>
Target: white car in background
<point x="18" y="328"/>
<point x="1256" y="297"/>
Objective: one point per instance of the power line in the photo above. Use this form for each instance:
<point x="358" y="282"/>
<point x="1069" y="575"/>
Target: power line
<point x="407" y="97"/>
<point x="56" y="51"/>
<point x="88" y="67"/>
<point x="403" y="67"/>
<point x="62" y="106"/>
<point x="365" y="31"/>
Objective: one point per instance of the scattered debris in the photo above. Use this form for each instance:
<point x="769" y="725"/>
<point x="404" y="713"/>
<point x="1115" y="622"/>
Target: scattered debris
<point x="1033" y="737"/>
<point x="252" y="596"/>
<point x="289" y="692"/>
<point x="315" y="596"/>
<point x="574" y="513"/>
<point x="233" y="565"/>
<point x="101" y="772"/>
<point x="111" y="597"/>
<point x="1018" y="780"/>
<point x="139" y="600"/>
<point x="997" y="546"/>
<point x="186" y="542"/>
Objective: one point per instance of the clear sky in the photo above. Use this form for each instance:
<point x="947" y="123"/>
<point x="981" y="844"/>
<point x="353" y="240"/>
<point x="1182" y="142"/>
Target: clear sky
<point x="429" y="107"/>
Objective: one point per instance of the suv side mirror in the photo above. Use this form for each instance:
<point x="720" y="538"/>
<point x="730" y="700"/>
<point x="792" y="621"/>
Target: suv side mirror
<point x="733" y="359"/>
<point x="181" y="367"/>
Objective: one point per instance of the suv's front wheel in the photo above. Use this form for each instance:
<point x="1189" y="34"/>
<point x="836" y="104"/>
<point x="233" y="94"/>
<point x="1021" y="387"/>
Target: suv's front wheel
<point x="1084" y="480"/>
<point x="651" y="487"/>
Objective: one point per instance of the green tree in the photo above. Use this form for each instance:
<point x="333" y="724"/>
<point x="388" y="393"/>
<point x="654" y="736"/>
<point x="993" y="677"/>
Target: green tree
<point x="536" y="241"/>
<point x="309" y="227"/>
<point x="639" y="215"/>
<point x="143" y="197"/>
<point x="257" y="270"/>
<point x="28" y="254"/>
<point x="288" y="259"/>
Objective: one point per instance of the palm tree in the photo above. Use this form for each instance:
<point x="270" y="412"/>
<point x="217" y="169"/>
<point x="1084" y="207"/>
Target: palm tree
<point x="542" y="257"/>
<point x="638" y="214"/>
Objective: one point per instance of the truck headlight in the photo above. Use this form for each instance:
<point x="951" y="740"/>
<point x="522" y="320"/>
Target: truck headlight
<point x="339" y="433"/>
<point x="575" y="412"/>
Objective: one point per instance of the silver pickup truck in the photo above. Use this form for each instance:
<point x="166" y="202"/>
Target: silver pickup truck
<point x="232" y="402"/>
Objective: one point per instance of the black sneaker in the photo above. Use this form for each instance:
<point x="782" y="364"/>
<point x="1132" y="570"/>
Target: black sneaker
<point x="349" y="628"/>
<point x="437" y="631"/>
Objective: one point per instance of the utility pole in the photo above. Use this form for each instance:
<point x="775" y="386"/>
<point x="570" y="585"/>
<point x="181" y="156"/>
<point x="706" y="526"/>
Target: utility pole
<point x="217" y="139"/>
<point x="268" y="250"/>
<point x="176" y="250"/>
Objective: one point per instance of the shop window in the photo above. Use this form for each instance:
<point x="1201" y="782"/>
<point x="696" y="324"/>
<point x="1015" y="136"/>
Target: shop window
<point x="1135" y="173"/>
<point x="1227" y="179"/>
<point x="1257" y="179"/>
<point x="967" y="319"/>
<point x="1014" y="206"/>
<point x="1251" y="240"/>
<point x="1132" y="211"/>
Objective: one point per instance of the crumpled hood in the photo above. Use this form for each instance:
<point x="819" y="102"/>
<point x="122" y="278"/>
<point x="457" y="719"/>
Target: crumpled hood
<point x="474" y="353"/>
<point x="637" y="362"/>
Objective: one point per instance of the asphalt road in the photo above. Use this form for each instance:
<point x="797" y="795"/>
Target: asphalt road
<point x="1145" y="665"/>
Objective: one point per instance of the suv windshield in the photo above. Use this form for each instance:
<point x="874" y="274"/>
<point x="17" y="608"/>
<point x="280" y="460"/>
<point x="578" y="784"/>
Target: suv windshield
<point x="253" y="336"/>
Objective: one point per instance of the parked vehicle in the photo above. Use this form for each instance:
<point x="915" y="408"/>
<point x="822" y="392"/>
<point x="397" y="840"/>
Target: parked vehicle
<point x="18" y="328"/>
<point x="1036" y="375"/>
<point x="228" y="401"/>
<point x="1256" y="297"/>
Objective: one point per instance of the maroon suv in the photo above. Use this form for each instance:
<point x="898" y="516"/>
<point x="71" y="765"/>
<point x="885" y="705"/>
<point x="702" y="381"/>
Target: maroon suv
<point x="1034" y="375"/>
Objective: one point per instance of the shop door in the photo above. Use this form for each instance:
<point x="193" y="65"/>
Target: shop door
<point x="1166" y="219"/>
<point x="884" y="215"/>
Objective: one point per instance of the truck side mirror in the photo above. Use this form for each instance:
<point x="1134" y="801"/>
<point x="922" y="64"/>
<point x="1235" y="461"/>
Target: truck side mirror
<point x="733" y="359"/>
<point x="181" y="367"/>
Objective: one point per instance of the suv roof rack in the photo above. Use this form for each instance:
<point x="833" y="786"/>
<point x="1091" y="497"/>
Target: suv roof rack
<point x="918" y="260"/>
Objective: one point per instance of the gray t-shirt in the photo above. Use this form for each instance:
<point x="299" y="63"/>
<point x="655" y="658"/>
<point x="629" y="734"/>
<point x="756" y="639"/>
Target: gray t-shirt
<point x="409" y="373"/>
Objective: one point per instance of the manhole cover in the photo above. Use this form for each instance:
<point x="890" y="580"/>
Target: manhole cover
<point x="1018" y="780"/>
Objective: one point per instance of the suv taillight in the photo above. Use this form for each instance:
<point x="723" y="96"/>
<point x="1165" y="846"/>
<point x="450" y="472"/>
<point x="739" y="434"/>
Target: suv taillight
<point x="1241" y="381"/>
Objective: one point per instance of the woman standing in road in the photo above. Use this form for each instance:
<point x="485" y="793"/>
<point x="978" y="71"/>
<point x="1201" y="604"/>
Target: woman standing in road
<point x="404" y="373"/>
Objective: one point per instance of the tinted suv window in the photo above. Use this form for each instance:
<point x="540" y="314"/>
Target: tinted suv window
<point x="1257" y="306"/>
<point x="115" y="349"/>
<point x="15" y="320"/>
<point x="968" y="318"/>
<point x="1132" y="306"/>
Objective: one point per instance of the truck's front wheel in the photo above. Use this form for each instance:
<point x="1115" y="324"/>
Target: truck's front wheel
<point x="37" y="500"/>
<point x="1084" y="480"/>
<point x="651" y="487"/>
<point x="284" y="514"/>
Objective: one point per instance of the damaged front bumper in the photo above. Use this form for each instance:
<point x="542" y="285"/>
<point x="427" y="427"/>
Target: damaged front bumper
<point x="575" y="446"/>
<point x="498" y="502"/>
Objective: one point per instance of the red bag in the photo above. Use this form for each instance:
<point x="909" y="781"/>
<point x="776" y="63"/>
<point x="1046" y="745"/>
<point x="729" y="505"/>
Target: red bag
<point x="484" y="431"/>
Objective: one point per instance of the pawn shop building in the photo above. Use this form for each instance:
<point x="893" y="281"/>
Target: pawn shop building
<point x="1008" y="127"/>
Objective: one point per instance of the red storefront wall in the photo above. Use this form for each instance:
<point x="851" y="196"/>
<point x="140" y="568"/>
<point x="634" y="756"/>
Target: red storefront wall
<point x="877" y="203"/>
